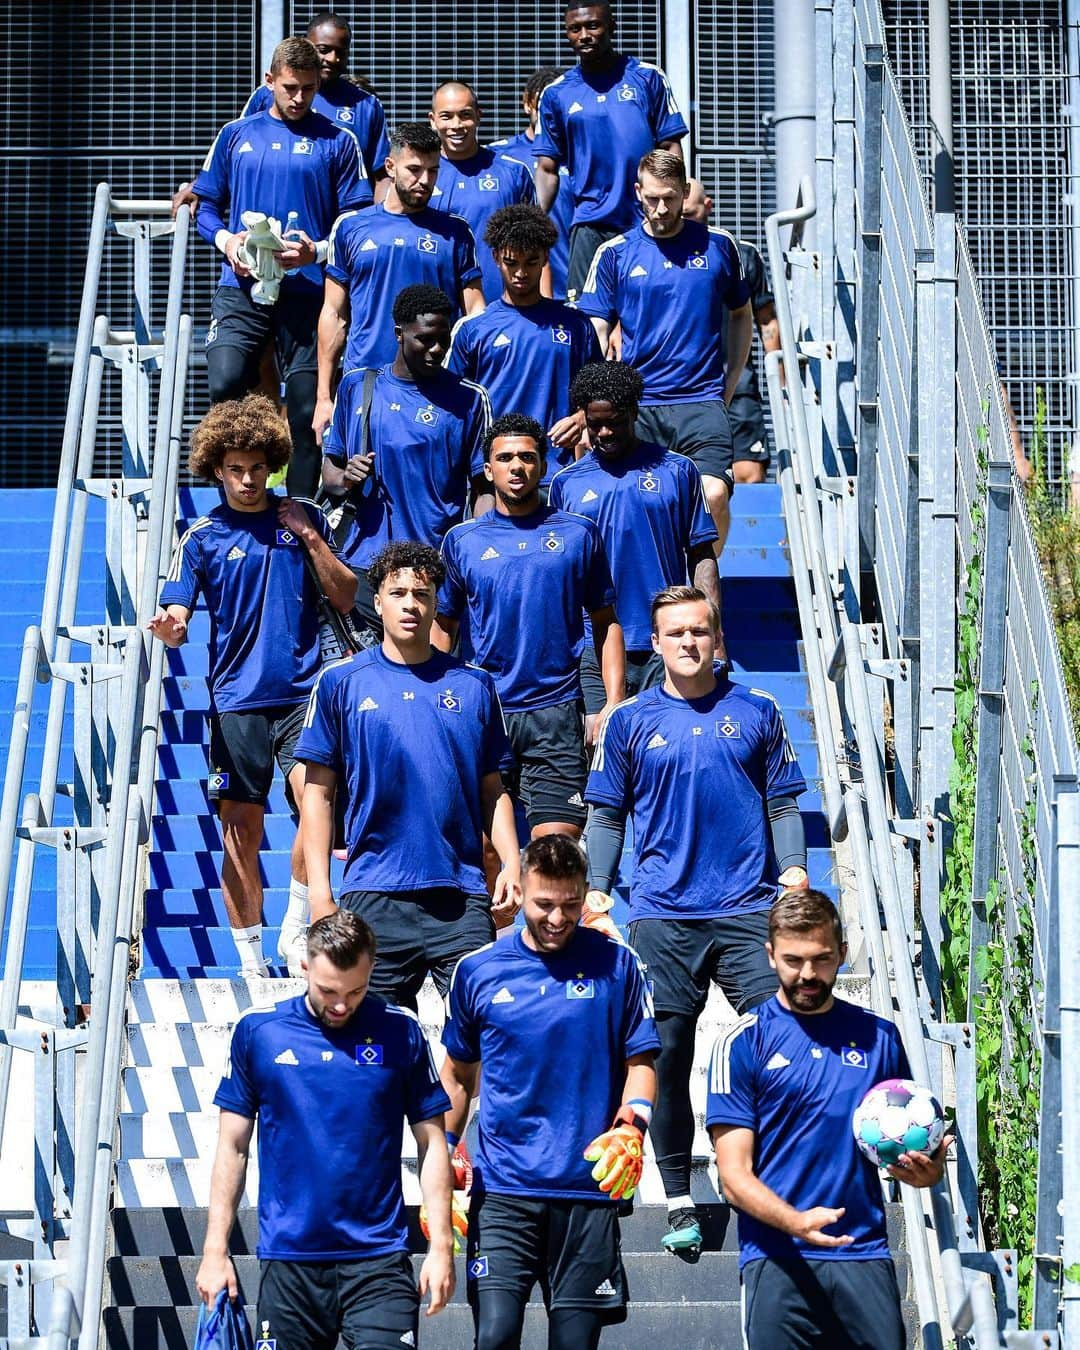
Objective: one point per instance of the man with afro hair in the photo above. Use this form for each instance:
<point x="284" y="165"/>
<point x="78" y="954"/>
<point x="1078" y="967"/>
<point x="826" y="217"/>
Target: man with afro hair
<point x="524" y="348"/>
<point x="250" y="558"/>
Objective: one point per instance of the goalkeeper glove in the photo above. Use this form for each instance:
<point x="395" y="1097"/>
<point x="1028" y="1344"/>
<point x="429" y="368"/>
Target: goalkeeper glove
<point x="595" y="914"/>
<point x="617" y="1154"/>
<point x="460" y="1165"/>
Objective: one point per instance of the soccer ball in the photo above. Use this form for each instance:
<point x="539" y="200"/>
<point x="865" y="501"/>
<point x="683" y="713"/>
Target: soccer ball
<point x="897" y="1116"/>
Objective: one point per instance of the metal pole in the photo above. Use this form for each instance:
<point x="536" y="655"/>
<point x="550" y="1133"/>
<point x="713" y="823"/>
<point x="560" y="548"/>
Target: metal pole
<point x="1068" y="880"/>
<point x="1072" y="111"/>
<point x="796" y="101"/>
<point x="271" y="32"/>
<point x="941" y="122"/>
<point x="677" y="67"/>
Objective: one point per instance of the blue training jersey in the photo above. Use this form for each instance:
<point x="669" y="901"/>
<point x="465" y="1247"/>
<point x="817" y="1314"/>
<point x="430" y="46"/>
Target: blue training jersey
<point x="376" y="254"/>
<point x="264" y="626"/>
<point x="599" y="125"/>
<point x="523" y="582"/>
<point x="795" y="1080"/>
<point x="696" y="776"/>
<point x="561" y="213"/>
<point x="650" y="508"/>
<point x="330" y="1105"/>
<point x="310" y="169"/>
<point x="349" y="106"/>
<point x="525" y="359"/>
<point x="475" y="187"/>
<point x="553" y="1033"/>
<point x="428" y="443"/>
<point x="672" y="297"/>
<point x="412" y="744"/>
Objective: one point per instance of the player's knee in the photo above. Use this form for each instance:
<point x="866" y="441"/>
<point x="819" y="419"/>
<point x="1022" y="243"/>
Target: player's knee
<point x="716" y="494"/>
<point x="499" y="1321"/>
<point x="749" y="471"/>
<point x="242" y="832"/>
<point x="228" y="373"/>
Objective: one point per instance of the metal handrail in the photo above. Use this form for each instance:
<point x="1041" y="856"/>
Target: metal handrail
<point x="970" y="1306"/>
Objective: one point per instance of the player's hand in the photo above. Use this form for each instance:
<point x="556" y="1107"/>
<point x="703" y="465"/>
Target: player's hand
<point x="567" y="431"/>
<point x="595" y="913"/>
<point x="921" y="1169"/>
<point x="614" y="346"/>
<point x="812" y="1221"/>
<point x="506" y="899"/>
<point x="299" y="250"/>
<point x="183" y="196"/>
<point x="215" y="1273"/>
<point x="231" y="249"/>
<point x="594" y="724"/>
<point x="168" y="628"/>
<point x="437" y="1279"/>
<point x="617" y="1154"/>
<point x="794" y="879"/>
<point x="359" y="469"/>
<point x="292" y="516"/>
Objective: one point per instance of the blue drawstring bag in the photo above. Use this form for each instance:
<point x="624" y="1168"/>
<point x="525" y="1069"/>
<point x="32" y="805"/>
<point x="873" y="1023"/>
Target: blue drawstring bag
<point x="224" y="1327"/>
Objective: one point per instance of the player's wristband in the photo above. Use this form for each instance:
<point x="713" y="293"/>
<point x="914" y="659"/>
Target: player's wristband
<point x="636" y="1113"/>
<point x="322" y="249"/>
<point x="452" y="1140"/>
<point x="221" y="241"/>
<point x="641" y="1107"/>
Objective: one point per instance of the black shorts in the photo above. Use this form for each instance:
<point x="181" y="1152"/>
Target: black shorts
<point x="643" y="670"/>
<point x="243" y="747"/>
<point x="584" y="241"/>
<point x="827" y="1305"/>
<point x="238" y="322"/>
<point x="550" y="765"/>
<point x="306" y="1305"/>
<point x="748" y="432"/>
<point x="700" y="431"/>
<point x="417" y="932"/>
<point x="682" y="956"/>
<point x="571" y="1247"/>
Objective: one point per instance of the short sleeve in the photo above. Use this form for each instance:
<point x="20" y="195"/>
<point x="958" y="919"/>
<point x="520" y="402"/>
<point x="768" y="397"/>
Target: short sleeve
<point x="665" y="119"/>
<point x="783" y="777"/>
<point x="461" y="1034"/>
<point x="599" y="587"/>
<point x="376" y="146"/>
<point x="555" y="493"/>
<point x="731" y="1090"/>
<point x="338" y="252"/>
<point x="550" y="139"/>
<point x="211" y="186"/>
<point x="640" y="1034"/>
<point x="425" y="1095"/>
<point x="757" y="279"/>
<point x="899" y="1066"/>
<point x="461" y="358"/>
<point x="466" y="268"/>
<point x="609" y="778"/>
<point x="336" y="435"/>
<point x="236" y="1091"/>
<point x="351" y="184"/>
<point x="259" y="99"/>
<point x="527" y="188"/>
<point x="736" y="288"/>
<point x="452" y="593"/>
<point x="476" y="428"/>
<point x="185" y="579"/>
<point x="320" y="738"/>
<point x="598" y="296"/>
<point x="698" y="527"/>
<point x="495" y="754"/>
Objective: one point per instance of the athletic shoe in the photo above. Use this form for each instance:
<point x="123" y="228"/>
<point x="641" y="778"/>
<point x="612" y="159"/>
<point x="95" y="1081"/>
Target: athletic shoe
<point x="259" y="972"/>
<point x="290" y="931"/>
<point x="684" y="1232"/>
<point x="296" y="952"/>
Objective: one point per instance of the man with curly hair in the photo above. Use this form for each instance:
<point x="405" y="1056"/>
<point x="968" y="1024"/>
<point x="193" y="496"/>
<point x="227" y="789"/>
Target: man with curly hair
<point x="524" y="348"/>
<point x="251" y="559"/>
<point x="417" y="739"/>
<point x="650" y="507"/>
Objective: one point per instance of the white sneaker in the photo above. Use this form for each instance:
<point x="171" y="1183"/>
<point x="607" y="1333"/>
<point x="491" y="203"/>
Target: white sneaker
<point x="292" y="948"/>
<point x="259" y="972"/>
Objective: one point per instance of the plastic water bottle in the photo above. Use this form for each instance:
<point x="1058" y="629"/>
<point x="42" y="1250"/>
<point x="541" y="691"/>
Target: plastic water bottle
<point x="291" y="231"/>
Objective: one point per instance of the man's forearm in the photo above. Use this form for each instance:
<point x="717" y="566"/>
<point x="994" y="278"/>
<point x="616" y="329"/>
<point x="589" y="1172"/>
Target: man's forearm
<point x="226" y="1188"/>
<point x="750" y="1195"/>
<point x="436" y="1184"/>
<point x="547" y="184"/>
<point x="332" y="330"/>
<point x="317" y="821"/>
<point x="739" y="337"/>
<point x="500" y="828"/>
<point x="704" y="573"/>
<point x="337" y="581"/>
<point x="611" y="655"/>
<point x="640" y="1083"/>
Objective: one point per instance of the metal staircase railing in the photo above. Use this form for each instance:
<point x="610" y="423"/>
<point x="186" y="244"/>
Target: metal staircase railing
<point x="115" y="710"/>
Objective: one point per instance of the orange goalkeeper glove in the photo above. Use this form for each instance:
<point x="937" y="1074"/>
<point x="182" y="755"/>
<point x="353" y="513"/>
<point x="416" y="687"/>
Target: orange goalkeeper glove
<point x="461" y="1166"/>
<point x="595" y="913"/>
<point x="617" y="1154"/>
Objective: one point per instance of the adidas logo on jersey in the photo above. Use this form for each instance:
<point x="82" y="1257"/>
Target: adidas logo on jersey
<point x="656" y="743"/>
<point x="589" y="496"/>
<point x="573" y="108"/>
<point x="503" y="996"/>
<point x="245" y="149"/>
<point x="368" y="705"/>
<point x="605" y="1290"/>
<point x="235" y="554"/>
<point x="501" y="341"/>
<point x="638" y="271"/>
<point x="488" y="554"/>
<point x="286" y="1057"/>
<point x="368" y="246"/>
<point x="778" y="1061"/>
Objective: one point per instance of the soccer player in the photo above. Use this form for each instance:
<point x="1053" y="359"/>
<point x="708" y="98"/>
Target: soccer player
<point x="556" y="1023"/>
<point x="599" y="119"/>
<point x="425" y="438"/>
<point x="745" y="412"/>
<point x="650" y="509"/>
<point x="783" y="1085"/>
<point x="330" y="1075"/>
<point x="247" y="559"/>
<point x="375" y="254"/>
<point x="523" y="575"/>
<point x="561" y="210"/>
<point x="417" y="739"/>
<point x="705" y="769"/>
<point x="524" y="349"/>
<point x="295" y="165"/>
<point x="474" y="180"/>
<point x="672" y="285"/>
